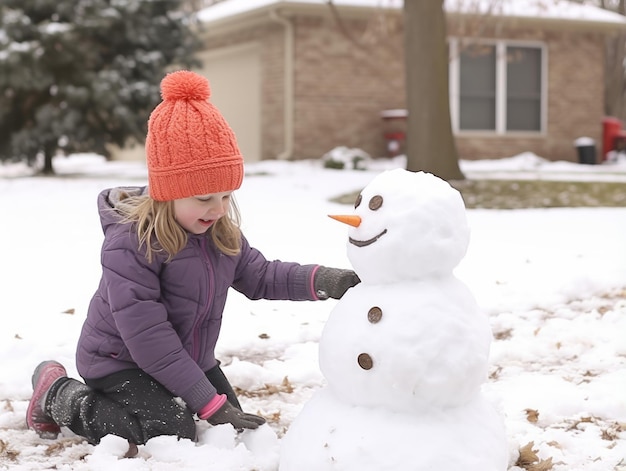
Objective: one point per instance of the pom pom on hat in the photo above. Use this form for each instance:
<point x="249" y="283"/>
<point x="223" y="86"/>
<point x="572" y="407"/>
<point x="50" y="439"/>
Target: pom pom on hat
<point x="190" y="148"/>
<point x="185" y="85"/>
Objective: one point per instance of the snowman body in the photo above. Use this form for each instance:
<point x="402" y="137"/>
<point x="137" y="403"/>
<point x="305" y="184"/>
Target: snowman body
<point x="383" y="345"/>
<point x="330" y="435"/>
<point x="405" y="352"/>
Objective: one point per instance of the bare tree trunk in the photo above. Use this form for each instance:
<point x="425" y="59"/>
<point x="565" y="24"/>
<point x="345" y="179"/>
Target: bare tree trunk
<point x="430" y="142"/>
<point x="48" y="169"/>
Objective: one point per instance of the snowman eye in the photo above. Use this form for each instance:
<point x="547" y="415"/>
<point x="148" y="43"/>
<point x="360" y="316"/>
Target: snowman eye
<point x="376" y="202"/>
<point x="358" y="201"/>
<point x="365" y="361"/>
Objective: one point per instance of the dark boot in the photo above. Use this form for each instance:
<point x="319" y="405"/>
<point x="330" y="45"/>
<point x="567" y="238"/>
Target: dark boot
<point x="70" y="404"/>
<point x="47" y="377"/>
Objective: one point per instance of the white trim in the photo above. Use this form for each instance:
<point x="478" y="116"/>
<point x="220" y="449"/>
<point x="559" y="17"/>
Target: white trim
<point x="210" y="54"/>
<point x="289" y="100"/>
<point x="544" y="89"/>
<point x="454" y="82"/>
<point x="500" y="87"/>
<point x="536" y="11"/>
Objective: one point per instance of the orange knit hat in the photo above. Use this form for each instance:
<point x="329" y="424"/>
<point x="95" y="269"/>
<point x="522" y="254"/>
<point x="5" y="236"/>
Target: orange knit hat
<point x="190" y="148"/>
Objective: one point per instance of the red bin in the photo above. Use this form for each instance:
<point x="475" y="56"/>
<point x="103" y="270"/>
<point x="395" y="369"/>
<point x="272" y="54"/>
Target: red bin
<point x="612" y="135"/>
<point x="394" y="131"/>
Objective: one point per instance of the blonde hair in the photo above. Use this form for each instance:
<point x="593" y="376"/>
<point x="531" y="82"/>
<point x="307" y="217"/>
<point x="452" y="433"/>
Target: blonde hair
<point x="158" y="230"/>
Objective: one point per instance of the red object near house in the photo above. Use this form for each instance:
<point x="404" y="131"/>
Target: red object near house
<point x="395" y="131"/>
<point x="613" y="136"/>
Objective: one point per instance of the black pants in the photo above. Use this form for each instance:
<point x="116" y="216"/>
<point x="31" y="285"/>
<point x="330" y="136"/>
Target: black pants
<point x="129" y="404"/>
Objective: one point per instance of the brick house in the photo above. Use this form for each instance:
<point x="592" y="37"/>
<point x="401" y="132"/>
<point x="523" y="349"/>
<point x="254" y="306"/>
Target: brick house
<point x="298" y="78"/>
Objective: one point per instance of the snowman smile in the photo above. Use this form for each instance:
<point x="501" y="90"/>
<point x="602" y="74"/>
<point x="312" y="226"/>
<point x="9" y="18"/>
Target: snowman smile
<point x="365" y="243"/>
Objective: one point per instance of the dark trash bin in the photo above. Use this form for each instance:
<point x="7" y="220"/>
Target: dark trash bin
<point x="586" y="148"/>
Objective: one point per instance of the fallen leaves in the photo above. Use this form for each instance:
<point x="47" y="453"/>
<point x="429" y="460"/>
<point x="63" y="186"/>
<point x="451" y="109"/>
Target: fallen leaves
<point x="274" y="417"/>
<point x="532" y="415"/>
<point x="267" y="389"/>
<point x="529" y="460"/>
<point x="582" y="420"/>
<point x="60" y="445"/>
<point x="612" y="431"/>
<point x="6" y="452"/>
<point x="504" y="334"/>
<point x="495" y="373"/>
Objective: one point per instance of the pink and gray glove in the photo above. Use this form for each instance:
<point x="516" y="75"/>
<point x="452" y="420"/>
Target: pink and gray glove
<point x="220" y="411"/>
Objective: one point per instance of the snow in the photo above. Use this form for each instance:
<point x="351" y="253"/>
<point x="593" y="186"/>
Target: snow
<point x="542" y="9"/>
<point x="552" y="282"/>
<point x="536" y="9"/>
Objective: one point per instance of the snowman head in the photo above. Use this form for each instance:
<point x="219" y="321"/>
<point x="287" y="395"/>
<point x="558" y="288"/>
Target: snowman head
<point x="406" y="225"/>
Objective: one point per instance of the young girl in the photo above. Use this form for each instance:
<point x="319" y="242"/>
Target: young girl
<point x="170" y="253"/>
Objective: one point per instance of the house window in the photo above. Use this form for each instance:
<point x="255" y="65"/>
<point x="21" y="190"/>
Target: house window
<point x="497" y="87"/>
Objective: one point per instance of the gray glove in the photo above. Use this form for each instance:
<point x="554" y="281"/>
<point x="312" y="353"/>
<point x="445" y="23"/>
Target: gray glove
<point x="239" y="419"/>
<point x="333" y="282"/>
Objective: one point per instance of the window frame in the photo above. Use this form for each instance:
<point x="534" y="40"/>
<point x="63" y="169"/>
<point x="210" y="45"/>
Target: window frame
<point x="501" y="84"/>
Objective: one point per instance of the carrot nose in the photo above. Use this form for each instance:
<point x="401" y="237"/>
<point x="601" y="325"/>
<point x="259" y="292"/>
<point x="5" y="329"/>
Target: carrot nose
<point x="354" y="221"/>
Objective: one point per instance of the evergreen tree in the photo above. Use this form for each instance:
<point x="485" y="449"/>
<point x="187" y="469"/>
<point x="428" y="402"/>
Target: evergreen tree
<point x="78" y="75"/>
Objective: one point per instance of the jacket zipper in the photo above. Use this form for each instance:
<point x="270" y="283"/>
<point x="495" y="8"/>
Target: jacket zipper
<point x="210" y="294"/>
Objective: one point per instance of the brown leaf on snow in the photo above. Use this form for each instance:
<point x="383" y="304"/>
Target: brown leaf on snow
<point x="529" y="460"/>
<point x="60" y="445"/>
<point x="6" y="452"/>
<point x="268" y="389"/>
<point x="273" y="418"/>
<point x="612" y="432"/>
<point x="543" y="465"/>
<point x="503" y="334"/>
<point x="532" y="415"/>
<point x="69" y="311"/>
<point x="495" y="374"/>
<point x="18" y="337"/>
<point x="55" y="449"/>
<point x="527" y="455"/>
<point x="582" y="420"/>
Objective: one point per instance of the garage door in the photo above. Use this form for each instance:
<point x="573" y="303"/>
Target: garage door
<point x="235" y="78"/>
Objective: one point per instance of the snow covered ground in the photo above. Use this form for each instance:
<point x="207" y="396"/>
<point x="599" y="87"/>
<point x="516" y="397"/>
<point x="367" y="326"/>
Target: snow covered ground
<point x="553" y="282"/>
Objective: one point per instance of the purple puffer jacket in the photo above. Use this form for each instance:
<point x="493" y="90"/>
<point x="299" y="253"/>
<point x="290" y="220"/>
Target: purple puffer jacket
<point x="165" y="318"/>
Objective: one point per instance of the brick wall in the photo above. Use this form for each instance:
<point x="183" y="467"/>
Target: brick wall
<point x="575" y="105"/>
<point x="341" y="89"/>
<point x="342" y="84"/>
<point x="346" y="74"/>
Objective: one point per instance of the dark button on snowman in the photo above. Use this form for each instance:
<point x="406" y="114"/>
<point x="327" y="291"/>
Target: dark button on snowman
<point x="405" y="352"/>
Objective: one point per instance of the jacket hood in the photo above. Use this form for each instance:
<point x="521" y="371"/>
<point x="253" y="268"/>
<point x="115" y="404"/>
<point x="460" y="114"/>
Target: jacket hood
<point x="111" y="199"/>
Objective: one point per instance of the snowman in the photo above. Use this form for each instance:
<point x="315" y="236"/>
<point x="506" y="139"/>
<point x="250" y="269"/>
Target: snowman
<point x="405" y="352"/>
